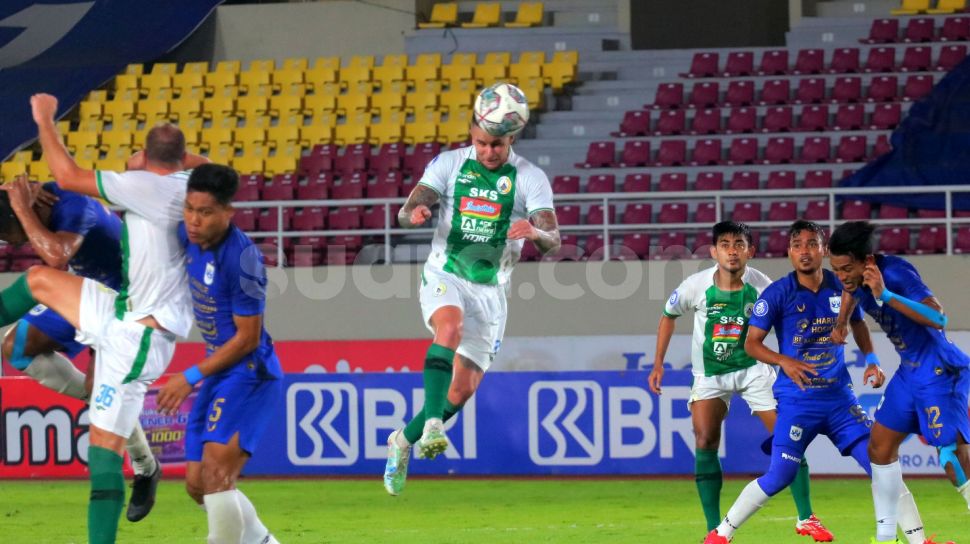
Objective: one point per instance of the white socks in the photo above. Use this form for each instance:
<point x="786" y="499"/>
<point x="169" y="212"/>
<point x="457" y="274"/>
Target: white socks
<point x="57" y="372"/>
<point x="140" y="453"/>
<point x="908" y="519"/>
<point x="964" y="491"/>
<point x="887" y="486"/>
<point x="751" y="499"/>
<point x="233" y="520"/>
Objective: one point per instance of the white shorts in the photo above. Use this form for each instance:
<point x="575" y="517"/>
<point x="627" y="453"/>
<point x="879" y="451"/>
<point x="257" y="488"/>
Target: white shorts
<point x="752" y="383"/>
<point x="130" y="356"/>
<point x="484" y="311"/>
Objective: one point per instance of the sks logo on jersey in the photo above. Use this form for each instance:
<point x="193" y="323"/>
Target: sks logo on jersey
<point x="835" y="304"/>
<point x="480" y="209"/>
<point x="556" y="409"/>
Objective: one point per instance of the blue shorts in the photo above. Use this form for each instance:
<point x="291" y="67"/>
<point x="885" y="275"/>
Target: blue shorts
<point x="236" y="403"/>
<point x="935" y="408"/>
<point x="55" y="327"/>
<point x="841" y="419"/>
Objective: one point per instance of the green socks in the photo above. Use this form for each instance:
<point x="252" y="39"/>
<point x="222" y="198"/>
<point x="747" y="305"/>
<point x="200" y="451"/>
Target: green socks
<point x="415" y="427"/>
<point x="107" y="495"/>
<point x="437" y="380"/>
<point x="799" y="490"/>
<point x="707" y="474"/>
<point x="15" y="301"/>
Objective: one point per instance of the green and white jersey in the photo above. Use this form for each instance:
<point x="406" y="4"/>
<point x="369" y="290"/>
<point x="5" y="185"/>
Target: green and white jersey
<point x="720" y="319"/>
<point x="153" y="272"/>
<point x="477" y="207"/>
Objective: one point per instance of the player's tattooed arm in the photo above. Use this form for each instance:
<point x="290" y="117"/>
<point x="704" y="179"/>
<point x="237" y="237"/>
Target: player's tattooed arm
<point x="543" y="230"/>
<point x="417" y="209"/>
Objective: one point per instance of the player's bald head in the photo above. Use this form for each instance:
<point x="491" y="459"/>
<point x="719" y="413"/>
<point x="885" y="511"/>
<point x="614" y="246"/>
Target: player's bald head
<point x="165" y="145"/>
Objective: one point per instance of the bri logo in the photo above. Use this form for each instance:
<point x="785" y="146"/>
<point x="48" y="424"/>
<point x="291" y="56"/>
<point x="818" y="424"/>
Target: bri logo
<point x="479" y="208"/>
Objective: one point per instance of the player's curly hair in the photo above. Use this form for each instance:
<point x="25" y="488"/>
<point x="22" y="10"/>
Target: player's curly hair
<point x="731" y="227"/>
<point x="220" y="181"/>
<point x="804" y="224"/>
<point x="853" y="238"/>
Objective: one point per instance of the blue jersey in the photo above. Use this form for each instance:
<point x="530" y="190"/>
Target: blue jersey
<point x="918" y="346"/>
<point x="99" y="256"/>
<point x="803" y="322"/>
<point x="226" y="280"/>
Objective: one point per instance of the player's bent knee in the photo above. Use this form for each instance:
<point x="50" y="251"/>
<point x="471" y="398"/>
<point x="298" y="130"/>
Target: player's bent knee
<point x="784" y="467"/>
<point x="217" y="477"/>
<point x="707" y="439"/>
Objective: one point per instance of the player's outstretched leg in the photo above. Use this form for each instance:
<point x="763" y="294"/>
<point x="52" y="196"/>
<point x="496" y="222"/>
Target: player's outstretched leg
<point x="398" y="457"/>
<point x="148" y="472"/>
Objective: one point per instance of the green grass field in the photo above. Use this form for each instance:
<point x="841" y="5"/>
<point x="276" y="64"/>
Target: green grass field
<point x="473" y="511"/>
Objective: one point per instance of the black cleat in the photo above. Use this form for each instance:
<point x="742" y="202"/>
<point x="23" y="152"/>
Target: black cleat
<point x="143" y="493"/>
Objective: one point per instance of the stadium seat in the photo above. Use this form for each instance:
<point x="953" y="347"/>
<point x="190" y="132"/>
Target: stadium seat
<point x="565" y="185"/>
<point x="950" y="56"/>
<point x="882" y="89"/>
<point x="314" y="188"/>
<point x="602" y="183"/>
<point x="353" y="159"/>
<point x="961" y="241"/>
<point x="309" y="219"/>
<point x="931" y="214"/>
<point x="851" y="149"/>
<point x="486" y="14"/>
<point x="634" y="183"/>
<point x="883" y="31"/>
<point x="599" y="155"/>
<point x="345" y="218"/>
<point x="955" y="29"/>
<point x="637" y="214"/>
<point x="672" y="245"/>
<point x="773" y="63"/>
<point x="746" y="212"/>
<point x="40" y="171"/>
<point x="414" y="163"/>
<point x="845" y="60"/>
<point x="856" y="210"/>
<point x="739" y="63"/>
<point x="777" y="245"/>
<point x="672" y="212"/>
<point x="672" y="181"/>
<point x="245" y="219"/>
<point x="494" y="68"/>
<point x="529" y="253"/>
<point x="704" y="94"/>
<point x="705" y="213"/>
<point x="850" y="117"/>
<point x="706" y="121"/>
<point x="813" y="118"/>
<point x="567" y="214"/>
<point x="916" y="87"/>
<point x="355" y="131"/>
<point x="810" y="91"/>
<point x="387" y="158"/>
<point x="930" y="240"/>
<point x="740" y="93"/>
<point x="634" y="246"/>
<point x="948" y="6"/>
<point x="779" y="119"/>
<point x="740" y="121"/>
<point x="847" y="90"/>
<point x="781" y="179"/>
<point x="703" y="65"/>
<point x="671" y="123"/>
<point x="529" y="14"/>
<point x="669" y="96"/>
<point x="809" y="61"/>
<point x="349" y="187"/>
<point x="442" y="14"/>
<point x="271" y="220"/>
<point x="635" y="153"/>
<point x="561" y="70"/>
<point x="707" y="152"/>
<point x="709" y="181"/>
<point x="282" y="187"/>
<point x="779" y="150"/>
<point x="249" y="187"/>
<point x="743" y="151"/>
<point x="894" y="241"/>
<point x="373" y="217"/>
<point x="881" y="59"/>
<point x="388" y="186"/>
<point x="744" y="181"/>
<point x="634" y="123"/>
<point x="595" y="215"/>
<point x="775" y="92"/>
<point x="672" y="153"/>
<point x="911" y="7"/>
<point x="882" y="146"/>
<point x="916" y="59"/>
<point x="889" y="211"/>
<point x="817" y="210"/>
<point x="919" y="29"/>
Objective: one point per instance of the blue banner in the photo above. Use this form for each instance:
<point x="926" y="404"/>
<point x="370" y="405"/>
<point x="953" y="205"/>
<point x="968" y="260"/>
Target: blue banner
<point x="931" y="146"/>
<point x="518" y="423"/>
<point x="69" y="47"/>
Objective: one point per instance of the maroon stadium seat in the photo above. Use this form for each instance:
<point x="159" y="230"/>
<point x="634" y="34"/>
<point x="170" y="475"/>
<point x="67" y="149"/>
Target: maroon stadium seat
<point x="565" y="184"/>
<point x="919" y="29"/>
<point x="353" y="159"/>
<point x="955" y="29"/>
<point x="777" y="119"/>
<point x="882" y="89"/>
<point x="739" y="93"/>
<point x="245" y="219"/>
<point x="599" y="155"/>
<point x="851" y="149"/>
<point x="777" y="245"/>
<point x="881" y="59"/>
<point x="847" y="89"/>
<point x="888" y="211"/>
<point x="672" y="153"/>
<point x="811" y="90"/>
<point x="883" y="31"/>
<point x="706" y="121"/>
<point x="743" y="151"/>
<point x="637" y="214"/>
<point x="818" y="179"/>
<point x="894" y="241"/>
<point x="845" y="60"/>
<point x="817" y="210"/>
<point x="282" y="187"/>
<point x="249" y="187"/>
<point x="414" y="163"/>
<point x="780" y="150"/>
<point x="709" y="181"/>
<point x="707" y="152"/>
<point x="781" y="179"/>
<point x="636" y="183"/>
<point x="594" y="247"/>
<point x="739" y="63"/>
<point x="672" y="181"/>
<point x="783" y="211"/>
<point x="634" y="123"/>
<point x="312" y="218"/>
<point x="317" y="188"/>
<point x="595" y="215"/>
<point x="706" y="213"/>
<point x="671" y="245"/>
<point x="813" y="118"/>
<point x="671" y="122"/>
<point x="917" y="86"/>
<point x="669" y="96"/>
<point x="672" y="212"/>
<point x="268" y="220"/>
<point x="373" y="217"/>
<point x="742" y="120"/>
<point x="809" y="61"/>
<point x="602" y="183"/>
<point x="703" y="65"/>
<point x="961" y="242"/>
<point x="386" y="186"/>
<point x="775" y="92"/>
<point x="350" y="187"/>
<point x="635" y="153"/>
<point x="773" y="63"/>
<point x="916" y="59"/>
<point x="950" y="56"/>
<point x="930" y="240"/>
<point x="930" y="214"/>
<point x="856" y="210"/>
<point x="744" y="181"/>
<point x="849" y="117"/>
<point x="348" y="218"/>
<point x="387" y="158"/>
<point x="746" y="212"/>
<point x="567" y="214"/>
<point x="816" y="149"/>
<point x="881" y="147"/>
<point x="637" y="243"/>
<point x="705" y="94"/>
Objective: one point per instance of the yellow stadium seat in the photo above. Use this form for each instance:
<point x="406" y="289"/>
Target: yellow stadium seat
<point x="352" y="75"/>
<point x="390" y="129"/>
<point x="248" y="165"/>
<point x="260" y="121"/>
<point x="251" y="79"/>
<point x="125" y="82"/>
<point x="118" y="152"/>
<point x="233" y="66"/>
<point x="316" y="134"/>
<point x="420" y="73"/>
<point x="226" y="121"/>
<point x="117" y="110"/>
<point x="220" y="79"/>
<point x="529" y="14"/>
<point x="280" y="136"/>
<point x="354" y="131"/>
<point x="98" y="96"/>
<point x="561" y="71"/>
<point x="294" y="89"/>
<point x="10" y="170"/>
<point x="292" y="150"/>
<point x="420" y="132"/>
<point x="455" y="129"/>
<point x="296" y="63"/>
<point x="911" y="7"/>
<point x="495" y="68"/>
<point x="316" y="103"/>
<point x="213" y="137"/>
<point x="182" y="109"/>
<point x="387" y="101"/>
<point x="254" y="149"/>
<point x="191" y="123"/>
<point x="169" y="94"/>
<point x="319" y="77"/>
<point x="456" y="99"/>
<point x="948" y="6"/>
<point x="284" y="105"/>
<point x="40" y="171"/>
<point x="571" y="57"/>
<point x="89" y="125"/>
<point x="262" y="65"/>
<point x="529" y="65"/>
<point x="186" y="81"/>
<point x="64" y="126"/>
<point x="200" y="67"/>
<point x="24" y="156"/>
<point x="330" y="63"/>
<point x="129" y="95"/>
<point x="112" y="165"/>
<point x="486" y="14"/>
<point x="115" y="138"/>
<point x="534" y="88"/>
<point x="77" y="141"/>
<point x="361" y="61"/>
<point x="442" y="15"/>
<point x="348" y="104"/>
<point x="192" y="136"/>
<point x="216" y="106"/>
<point x="222" y="154"/>
<point x="128" y="125"/>
<point x="135" y="69"/>
<point x="462" y="66"/>
<point x="246" y="136"/>
<point x="90" y="110"/>
<point x="392" y="69"/>
<point x="169" y="68"/>
<point x="279" y="165"/>
<point x="424" y="96"/>
<point x="85" y="163"/>
<point x="291" y="120"/>
<point x="286" y="78"/>
<point x="251" y="106"/>
<point x="154" y="82"/>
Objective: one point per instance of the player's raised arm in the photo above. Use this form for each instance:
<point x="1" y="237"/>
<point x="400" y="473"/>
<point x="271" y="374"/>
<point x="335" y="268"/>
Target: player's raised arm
<point x="927" y="312"/>
<point x="68" y="175"/>
<point x="665" y="331"/>
<point x="417" y="209"/>
<point x="56" y="249"/>
<point x="543" y="231"/>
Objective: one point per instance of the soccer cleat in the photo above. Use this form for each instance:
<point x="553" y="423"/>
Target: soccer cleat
<point x="714" y="538"/>
<point x="433" y="441"/>
<point x="931" y="541"/>
<point x="813" y="527"/>
<point x="396" y="469"/>
<point x="143" y="491"/>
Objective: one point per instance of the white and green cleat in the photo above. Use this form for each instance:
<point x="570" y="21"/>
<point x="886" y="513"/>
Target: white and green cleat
<point x="433" y="441"/>
<point x="396" y="469"/>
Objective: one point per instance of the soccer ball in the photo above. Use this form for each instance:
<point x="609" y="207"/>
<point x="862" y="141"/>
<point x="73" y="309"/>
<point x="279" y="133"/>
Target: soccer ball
<point x="501" y="109"/>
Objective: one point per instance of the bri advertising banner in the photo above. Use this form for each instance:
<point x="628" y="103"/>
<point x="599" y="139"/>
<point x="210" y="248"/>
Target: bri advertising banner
<point x="69" y="47"/>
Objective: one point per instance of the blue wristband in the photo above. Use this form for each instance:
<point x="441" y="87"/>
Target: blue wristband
<point x="872" y="359"/>
<point x="886" y="295"/>
<point x="193" y="375"/>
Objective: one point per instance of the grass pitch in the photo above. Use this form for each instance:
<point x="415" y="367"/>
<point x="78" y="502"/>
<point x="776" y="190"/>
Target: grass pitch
<point x="474" y="511"/>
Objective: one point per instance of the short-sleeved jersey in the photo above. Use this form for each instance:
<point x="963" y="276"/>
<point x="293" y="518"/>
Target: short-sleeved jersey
<point x="153" y="273"/>
<point x="99" y="256"/>
<point x="803" y="322"/>
<point x="720" y="319"/>
<point x="226" y="280"/>
<point x="477" y="207"/>
<point x="917" y="345"/>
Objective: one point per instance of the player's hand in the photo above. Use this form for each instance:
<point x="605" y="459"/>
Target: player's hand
<point x="137" y="161"/>
<point x="872" y="277"/>
<point x="798" y="371"/>
<point x="172" y="394"/>
<point x="840" y="333"/>
<point x="419" y="215"/>
<point x="18" y="190"/>
<point x="43" y="107"/>
<point x="42" y="196"/>
<point x="523" y="230"/>
<point x="877" y="375"/>
<point x="655" y="377"/>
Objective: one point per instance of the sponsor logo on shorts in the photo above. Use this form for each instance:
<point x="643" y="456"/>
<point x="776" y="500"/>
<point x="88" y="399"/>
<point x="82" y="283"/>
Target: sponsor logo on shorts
<point x="795" y="433"/>
<point x="761" y="308"/>
<point x="481" y="209"/>
<point x="789" y="457"/>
